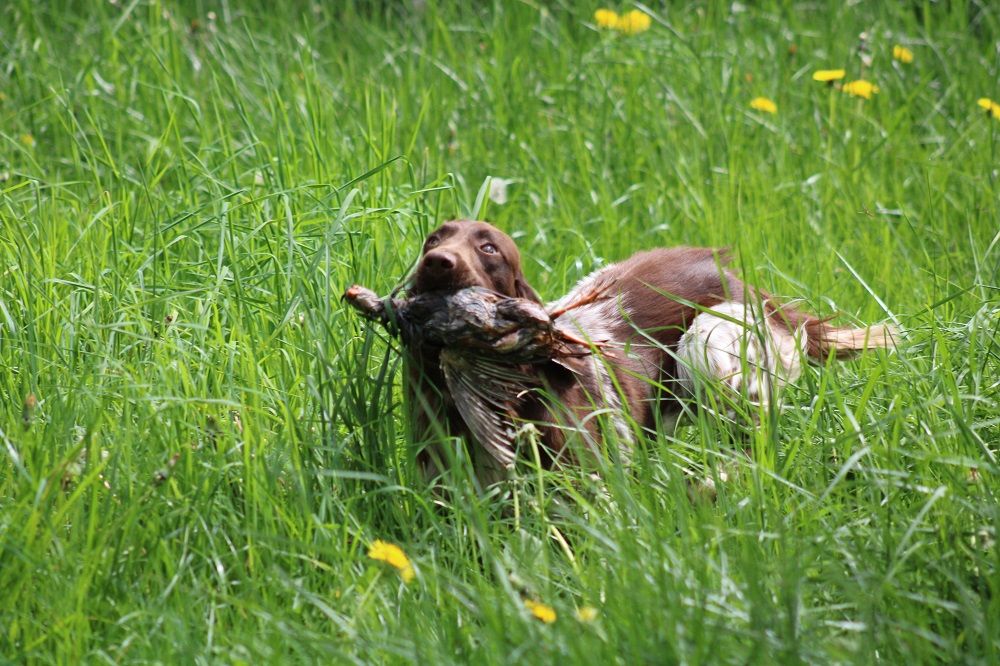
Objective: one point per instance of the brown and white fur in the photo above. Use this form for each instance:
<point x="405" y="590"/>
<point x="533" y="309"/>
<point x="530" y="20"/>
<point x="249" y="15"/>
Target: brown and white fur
<point x="667" y="323"/>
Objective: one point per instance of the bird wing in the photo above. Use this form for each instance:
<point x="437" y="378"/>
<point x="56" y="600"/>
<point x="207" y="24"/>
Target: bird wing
<point x="486" y="394"/>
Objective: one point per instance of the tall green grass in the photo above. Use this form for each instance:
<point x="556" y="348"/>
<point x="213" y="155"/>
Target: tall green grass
<point x="198" y="443"/>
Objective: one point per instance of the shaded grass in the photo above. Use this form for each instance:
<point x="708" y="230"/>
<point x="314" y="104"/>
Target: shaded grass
<point x="216" y="440"/>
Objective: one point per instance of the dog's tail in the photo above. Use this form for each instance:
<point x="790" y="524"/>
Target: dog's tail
<point x="821" y="338"/>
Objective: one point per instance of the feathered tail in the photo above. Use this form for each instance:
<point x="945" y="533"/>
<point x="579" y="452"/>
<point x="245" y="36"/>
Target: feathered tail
<point x="821" y="338"/>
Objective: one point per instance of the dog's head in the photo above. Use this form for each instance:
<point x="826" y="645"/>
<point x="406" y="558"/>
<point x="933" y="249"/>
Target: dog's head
<point x="465" y="253"/>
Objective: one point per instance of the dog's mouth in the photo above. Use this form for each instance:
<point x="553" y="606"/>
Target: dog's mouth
<point x="424" y="284"/>
<point x="431" y="276"/>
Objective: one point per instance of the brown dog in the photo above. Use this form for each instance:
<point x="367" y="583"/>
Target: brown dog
<point x="667" y="322"/>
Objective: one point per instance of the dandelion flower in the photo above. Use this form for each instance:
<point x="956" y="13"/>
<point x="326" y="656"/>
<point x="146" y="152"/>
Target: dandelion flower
<point x="902" y="54"/>
<point x="634" y="22"/>
<point x="605" y="18"/>
<point x="542" y="612"/>
<point x="28" y="140"/>
<point x="992" y="108"/>
<point x="394" y="556"/>
<point x="828" y="75"/>
<point x="763" y="104"/>
<point x="586" y="613"/>
<point x="861" y="88"/>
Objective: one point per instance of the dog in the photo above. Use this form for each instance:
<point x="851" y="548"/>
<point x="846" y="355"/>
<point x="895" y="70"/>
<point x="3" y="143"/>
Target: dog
<point x="665" y="324"/>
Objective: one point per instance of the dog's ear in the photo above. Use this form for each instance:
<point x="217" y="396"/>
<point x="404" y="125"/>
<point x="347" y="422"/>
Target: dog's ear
<point x="524" y="290"/>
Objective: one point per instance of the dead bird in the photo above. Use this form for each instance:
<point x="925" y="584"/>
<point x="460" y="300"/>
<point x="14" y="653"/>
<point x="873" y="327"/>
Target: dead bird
<point x="488" y="345"/>
<point x="474" y="318"/>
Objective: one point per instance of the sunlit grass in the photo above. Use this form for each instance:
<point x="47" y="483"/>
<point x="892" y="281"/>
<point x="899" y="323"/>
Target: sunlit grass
<point x="199" y="445"/>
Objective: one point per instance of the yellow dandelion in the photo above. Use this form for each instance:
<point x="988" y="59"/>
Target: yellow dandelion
<point x="546" y="614"/>
<point x="28" y="140"/>
<point x="992" y="108"/>
<point x="763" y="104"/>
<point x="828" y="75"/>
<point x="861" y="88"/>
<point x="902" y="54"/>
<point x="394" y="556"/>
<point x="605" y="18"/>
<point x="634" y="22"/>
<point x="586" y="613"/>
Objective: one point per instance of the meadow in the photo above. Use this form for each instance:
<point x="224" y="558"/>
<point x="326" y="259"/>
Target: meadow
<point x="199" y="444"/>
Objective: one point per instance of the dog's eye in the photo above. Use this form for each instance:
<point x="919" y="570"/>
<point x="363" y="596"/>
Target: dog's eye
<point x="488" y="248"/>
<point x="431" y="242"/>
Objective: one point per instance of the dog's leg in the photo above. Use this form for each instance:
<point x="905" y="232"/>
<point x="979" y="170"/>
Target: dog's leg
<point x="733" y="349"/>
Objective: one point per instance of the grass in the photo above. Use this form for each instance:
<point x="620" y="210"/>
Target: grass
<point x="198" y="443"/>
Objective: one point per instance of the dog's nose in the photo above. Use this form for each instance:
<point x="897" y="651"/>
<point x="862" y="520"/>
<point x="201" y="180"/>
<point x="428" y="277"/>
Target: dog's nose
<point x="439" y="262"/>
